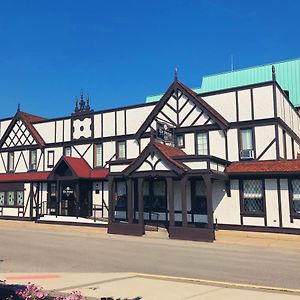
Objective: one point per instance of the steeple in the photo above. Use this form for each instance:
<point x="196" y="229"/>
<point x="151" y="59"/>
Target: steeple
<point x="83" y="106"/>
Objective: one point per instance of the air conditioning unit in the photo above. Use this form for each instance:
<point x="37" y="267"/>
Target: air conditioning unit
<point x="247" y="154"/>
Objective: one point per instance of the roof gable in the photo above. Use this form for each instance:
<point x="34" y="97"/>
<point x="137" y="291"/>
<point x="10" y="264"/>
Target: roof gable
<point x="158" y="157"/>
<point x="180" y="106"/>
<point x="21" y="132"/>
<point x="76" y="167"/>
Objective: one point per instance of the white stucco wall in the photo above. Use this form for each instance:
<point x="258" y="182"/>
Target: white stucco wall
<point x="226" y="209"/>
<point x="262" y="99"/>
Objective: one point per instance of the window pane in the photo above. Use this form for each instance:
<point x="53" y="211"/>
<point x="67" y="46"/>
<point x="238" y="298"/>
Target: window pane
<point x="247" y="139"/>
<point x="11" y="161"/>
<point x="200" y="189"/>
<point x="67" y="151"/>
<point x="253" y="196"/>
<point x="202" y="143"/>
<point x="33" y="159"/>
<point x="121" y="150"/>
<point x="11" y="198"/>
<point x="2" y="198"/>
<point x="98" y="155"/>
<point x="180" y="141"/>
<point x="296" y="195"/>
<point x="20" y="198"/>
<point x="159" y="188"/>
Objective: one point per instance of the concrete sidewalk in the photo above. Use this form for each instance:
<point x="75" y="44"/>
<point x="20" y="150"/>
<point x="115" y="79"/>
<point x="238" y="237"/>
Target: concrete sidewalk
<point x="147" y="287"/>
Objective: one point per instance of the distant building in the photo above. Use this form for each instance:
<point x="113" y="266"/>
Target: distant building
<point x="226" y="158"/>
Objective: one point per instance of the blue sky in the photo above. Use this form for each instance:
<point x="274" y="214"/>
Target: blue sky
<point x="121" y="51"/>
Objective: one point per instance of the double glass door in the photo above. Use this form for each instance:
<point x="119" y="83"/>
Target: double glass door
<point x="155" y="197"/>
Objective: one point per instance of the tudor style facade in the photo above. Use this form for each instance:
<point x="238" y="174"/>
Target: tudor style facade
<point x="192" y="162"/>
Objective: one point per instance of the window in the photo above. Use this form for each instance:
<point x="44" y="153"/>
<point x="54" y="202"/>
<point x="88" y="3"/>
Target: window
<point x="98" y="155"/>
<point x="202" y="143"/>
<point x="33" y="160"/>
<point x="180" y="141"/>
<point x="2" y="198"/>
<point x="67" y="151"/>
<point x="121" y="150"/>
<point x="50" y="159"/>
<point x="12" y="198"/>
<point x="247" y="139"/>
<point x="11" y="163"/>
<point x="296" y="196"/>
<point x="253" y="198"/>
<point x="121" y="195"/>
<point x="198" y="190"/>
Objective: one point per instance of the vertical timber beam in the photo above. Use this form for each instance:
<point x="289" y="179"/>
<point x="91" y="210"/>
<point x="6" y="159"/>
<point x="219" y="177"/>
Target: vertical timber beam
<point x="141" y="200"/>
<point x="170" y="197"/>
<point x="183" y="201"/>
<point x="129" y="201"/>
<point x="208" y="183"/>
<point x="111" y="200"/>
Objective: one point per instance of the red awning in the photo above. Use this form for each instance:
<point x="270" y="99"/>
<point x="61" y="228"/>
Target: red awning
<point x="25" y="177"/>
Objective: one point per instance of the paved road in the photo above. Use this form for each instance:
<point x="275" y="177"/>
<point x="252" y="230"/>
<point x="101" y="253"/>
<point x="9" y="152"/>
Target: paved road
<point x="51" y="248"/>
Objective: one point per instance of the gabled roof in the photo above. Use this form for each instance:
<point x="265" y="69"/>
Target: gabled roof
<point x="164" y="152"/>
<point x="80" y="168"/>
<point x="193" y="97"/>
<point x="27" y="120"/>
<point x="255" y="167"/>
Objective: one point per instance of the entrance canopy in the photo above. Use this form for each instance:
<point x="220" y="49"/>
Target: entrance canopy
<point x="76" y="168"/>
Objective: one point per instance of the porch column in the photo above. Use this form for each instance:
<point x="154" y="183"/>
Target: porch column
<point x="129" y="201"/>
<point x="141" y="200"/>
<point x="37" y="200"/>
<point x="183" y="201"/>
<point x="58" y="197"/>
<point x="208" y="183"/>
<point x="170" y="197"/>
<point x="111" y="200"/>
<point x="31" y="201"/>
<point x="77" y="200"/>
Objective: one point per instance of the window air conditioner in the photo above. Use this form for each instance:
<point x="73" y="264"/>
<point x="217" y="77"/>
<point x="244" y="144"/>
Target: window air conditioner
<point x="247" y="154"/>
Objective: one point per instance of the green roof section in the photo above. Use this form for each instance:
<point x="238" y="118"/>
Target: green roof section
<point x="287" y="75"/>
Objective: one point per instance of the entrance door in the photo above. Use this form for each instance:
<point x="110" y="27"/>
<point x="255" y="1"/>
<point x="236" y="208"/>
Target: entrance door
<point x="155" y="199"/>
<point x="67" y="203"/>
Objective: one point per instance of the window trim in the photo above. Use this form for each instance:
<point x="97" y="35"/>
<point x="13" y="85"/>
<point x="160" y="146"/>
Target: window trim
<point x="117" y="150"/>
<point x="95" y="154"/>
<point x="196" y="143"/>
<point x="30" y="160"/>
<point x="242" y="206"/>
<point x="48" y="159"/>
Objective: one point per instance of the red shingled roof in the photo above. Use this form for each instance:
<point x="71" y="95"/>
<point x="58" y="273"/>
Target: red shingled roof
<point x="82" y="169"/>
<point x="28" y="119"/>
<point x="25" y="177"/>
<point x="168" y="152"/>
<point x="278" y="166"/>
